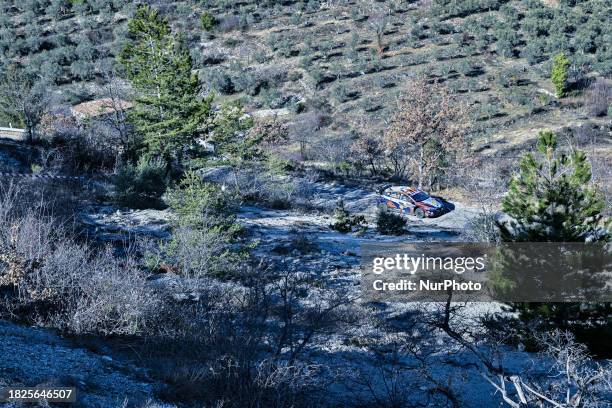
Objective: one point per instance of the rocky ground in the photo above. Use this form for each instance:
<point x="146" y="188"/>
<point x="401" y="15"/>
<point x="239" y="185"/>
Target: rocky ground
<point x="40" y="358"/>
<point x="109" y="224"/>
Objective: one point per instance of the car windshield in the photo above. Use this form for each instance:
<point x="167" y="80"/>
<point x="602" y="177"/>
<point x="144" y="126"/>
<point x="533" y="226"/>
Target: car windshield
<point x="420" y="196"/>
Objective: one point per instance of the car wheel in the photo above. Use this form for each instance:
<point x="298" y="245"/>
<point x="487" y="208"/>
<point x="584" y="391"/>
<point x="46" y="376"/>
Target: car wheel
<point x="419" y="213"/>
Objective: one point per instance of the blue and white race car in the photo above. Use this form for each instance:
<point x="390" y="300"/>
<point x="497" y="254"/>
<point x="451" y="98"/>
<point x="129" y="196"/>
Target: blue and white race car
<point x="412" y="201"/>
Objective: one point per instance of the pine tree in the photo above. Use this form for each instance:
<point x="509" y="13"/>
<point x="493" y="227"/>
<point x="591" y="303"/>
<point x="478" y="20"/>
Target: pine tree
<point x="550" y="199"/>
<point x="168" y="113"/>
<point x="559" y="74"/>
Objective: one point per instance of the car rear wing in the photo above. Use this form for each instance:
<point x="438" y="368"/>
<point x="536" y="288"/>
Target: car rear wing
<point x="383" y="188"/>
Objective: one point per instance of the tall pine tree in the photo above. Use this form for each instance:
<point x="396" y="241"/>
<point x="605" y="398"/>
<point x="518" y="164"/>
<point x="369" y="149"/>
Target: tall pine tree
<point x="168" y="113"/>
<point x="550" y="200"/>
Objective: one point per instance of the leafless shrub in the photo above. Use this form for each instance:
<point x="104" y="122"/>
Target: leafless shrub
<point x="229" y="23"/>
<point x="302" y="242"/>
<point x="115" y="123"/>
<point x="26" y="224"/>
<point x="304" y="129"/>
<point x="336" y="151"/>
<point x="94" y="146"/>
<point x="89" y="144"/>
<point x="586" y="135"/>
<point x="598" y="98"/>
<point x="403" y="364"/>
<point x="227" y="382"/>
<point x="58" y="282"/>
<point x="57" y="198"/>
<point x="240" y="343"/>
<point x="574" y="379"/>
<point x="368" y="151"/>
<point x="304" y="311"/>
<point x="112" y="298"/>
<point x="487" y="179"/>
<point x="63" y="285"/>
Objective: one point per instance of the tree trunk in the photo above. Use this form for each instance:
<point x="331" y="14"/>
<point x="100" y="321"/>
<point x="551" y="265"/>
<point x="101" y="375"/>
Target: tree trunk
<point x="29" y="131"/>
<point x="421" y="161"/>
<point x="373" y="167"/>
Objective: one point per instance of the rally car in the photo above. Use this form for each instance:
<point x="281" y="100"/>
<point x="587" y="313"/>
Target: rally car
<point x="412" y="201"/>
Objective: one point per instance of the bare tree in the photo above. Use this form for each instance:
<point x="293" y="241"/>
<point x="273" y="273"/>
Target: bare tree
<point x="116" y="92"/>
<point x="487" y="177"/>
<point x="598" y="97"/>
<point x="300" y="323"/>
<point x="426" y="130"/>
<point x="369" y="151"/>
<point x="304" y="128"/>
<point x="335" y="151"/>
<point x="575" y="380"/>
<point x="23" y="96"/>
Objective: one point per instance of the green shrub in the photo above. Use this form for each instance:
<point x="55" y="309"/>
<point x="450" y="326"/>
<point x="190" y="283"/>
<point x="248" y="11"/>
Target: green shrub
<point x="207" y="21"/>
<point x="277" y="165"/>
<point x="200" y="205"/>
<point x="533" y="52"/>
<point x="555" y="180"/>
<point x="389" y="223"/>
<point x="142" y="185"/>
<point x="345" y="222"/>
<point x="507" y="40"/>
<point x="231" y="137"/>
<point x="204" y="230"/>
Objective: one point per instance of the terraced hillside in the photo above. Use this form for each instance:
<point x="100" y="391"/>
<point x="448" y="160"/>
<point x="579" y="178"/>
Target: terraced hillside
<point x="336" y="68"/>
